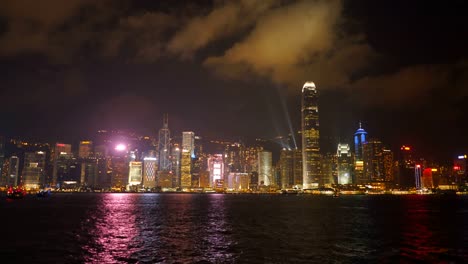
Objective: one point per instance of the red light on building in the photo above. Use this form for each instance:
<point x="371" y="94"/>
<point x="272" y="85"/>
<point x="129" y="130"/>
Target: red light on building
<point x="60" y="145"/>
<point x="418" y="166"/>
<point x="456" y="168"/>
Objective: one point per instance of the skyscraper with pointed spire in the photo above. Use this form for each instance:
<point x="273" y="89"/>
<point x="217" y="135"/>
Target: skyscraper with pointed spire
<point x="310" y="137"/>
<point x="164" y="144"/>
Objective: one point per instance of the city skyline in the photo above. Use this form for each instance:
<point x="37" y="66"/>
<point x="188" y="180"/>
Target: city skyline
<point x="122" y="65"/>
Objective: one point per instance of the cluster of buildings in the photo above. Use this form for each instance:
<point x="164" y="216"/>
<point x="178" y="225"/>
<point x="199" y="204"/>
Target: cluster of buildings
<point x="122" y="160"/>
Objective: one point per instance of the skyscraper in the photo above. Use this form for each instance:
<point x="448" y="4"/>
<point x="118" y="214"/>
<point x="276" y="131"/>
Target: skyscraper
<point x="310" y="136"/>
<point x="373" y="160"/>
<point x="85" y="149"/>
<point x="359" y="140"/>
<point x="164" y="144"/>
<point x="13" y="171"/>
<point x="135" y="173"/>
<point x="149" y="172"/>
<point x="188" y="152"/>
<point x="265" y="169"/>
<point x="33" y="171"/>
<point x="345" y="164"/>
<point x="62" y="161"/>
<point x="188" y="142"/>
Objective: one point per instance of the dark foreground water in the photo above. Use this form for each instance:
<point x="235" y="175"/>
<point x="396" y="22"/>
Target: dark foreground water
<point x="213" y="228"/>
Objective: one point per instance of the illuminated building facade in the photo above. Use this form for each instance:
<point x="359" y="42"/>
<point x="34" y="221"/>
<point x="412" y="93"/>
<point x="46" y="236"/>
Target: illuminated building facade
<point x="176" y="153"/>
<point x="286" y="167"/>
<point x="265" y="170"/>
<point x="460" y="169"/>
<point x="188" y="152"/>
<point x="89" y="173"/>
<point x="373" y="160"/>
<point x="120" y="168"/>
<point x="310" y="137"/>
<point x="360" y="137"/>
<point x="149" y="172"/>
<point x="427" y="179"/>
<point x="344" y="164"/>
<point x="164" y="146"/>
<point x="216" y="169"/>
<point x="62" y="162"/>
<point x="388" y="168"/>
<point x="417" y="176"/>
<point x="329" y="170"/>
<point x="406" y="167"/>
<point x="185" y="169"/>
<point x="13" y="171"/>
<point x="33" y="171"/>
<point x="188" y="142"/>
<point x="85" y="149"/>
<point x="135" y="173"/>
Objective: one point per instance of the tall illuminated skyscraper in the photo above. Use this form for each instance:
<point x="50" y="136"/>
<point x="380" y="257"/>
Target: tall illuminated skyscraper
<point x="359" y="140"/>
<point x="310" y="136"/>
<point x="188" y="152"/>
<point x="345" y="164"/>
<point x="164" y="145"/>
<point x="265" y="169"/>
<point x="188" y="142"/>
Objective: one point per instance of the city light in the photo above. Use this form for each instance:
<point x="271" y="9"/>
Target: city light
<point x="120" y="147"/>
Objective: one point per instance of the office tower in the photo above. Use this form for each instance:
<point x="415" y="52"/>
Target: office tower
<point x="85" y="149"/>
<point x="232" y="158"/>
<point x="135" y="173"/>
<point x="33" y="171"/>
<point x="104" y="173"/>
<point x="359" y="140"/>
<point x="265" y="170"/>
<point x="175" y="158"/>
<point x="388" y="168"/>
<point x="427" y="179"/>
<point x="61" y="160"/>
<point x="164" y="146"/>
<point x="149" y="172"/>
<point x="13" y="171"/>
<point x="89" y="173"/>
<point x="360" y="137"/>
<point x="188" y="152"/>
<point x="101" y="151"/>
<point x="297" y="164"/>
<point x="406" y="167"/>
<point x="373" y="161"/>
<point x="185" y="169"/>
<point x="345" y="164"/>
<point x="328" y="170"/>
<point x="249" y="159"/>
<point x="188" y="142"/>
<point x="460" y="169"/>
<point x="286" y="167"/>
<point x="120" y="170"/>
<point x="216" y="169"/>
<point x="310" y="136"/>
<point x="417" y="176"/>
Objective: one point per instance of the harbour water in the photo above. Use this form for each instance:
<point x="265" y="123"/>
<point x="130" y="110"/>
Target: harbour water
<point x="217" y="228"/>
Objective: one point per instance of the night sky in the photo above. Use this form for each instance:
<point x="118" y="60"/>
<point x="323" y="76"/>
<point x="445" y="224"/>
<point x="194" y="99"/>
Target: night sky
<point x="235" y="69"/>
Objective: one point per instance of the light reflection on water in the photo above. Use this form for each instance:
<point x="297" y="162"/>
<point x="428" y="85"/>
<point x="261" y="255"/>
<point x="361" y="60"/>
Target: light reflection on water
<point x="197" y="228"/>
<point x="158" y="228"/>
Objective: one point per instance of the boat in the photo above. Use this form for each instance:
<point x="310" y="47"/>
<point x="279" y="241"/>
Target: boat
<point x="16" y="192"/>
